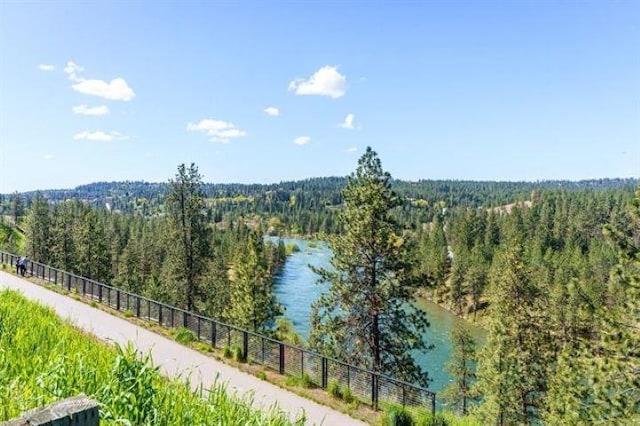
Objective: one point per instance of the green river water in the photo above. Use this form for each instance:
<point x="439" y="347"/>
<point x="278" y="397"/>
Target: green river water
<point x="296" y="289"/>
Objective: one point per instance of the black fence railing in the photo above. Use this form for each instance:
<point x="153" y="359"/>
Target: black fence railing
<point x="367" y="386"/>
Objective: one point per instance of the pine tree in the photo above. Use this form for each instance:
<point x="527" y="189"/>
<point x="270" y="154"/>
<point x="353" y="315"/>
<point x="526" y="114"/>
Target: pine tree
<point x="364" y="317"/>
<point x="188" y="236"/>
<point x="252" y="303"/>
<point x="38" y="230"/>
<point x="512" y="364"/>
<point x="461" y="367"/>
<point x="597" y="377"/>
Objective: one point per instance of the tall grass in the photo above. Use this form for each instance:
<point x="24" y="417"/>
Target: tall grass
<point x="43" y="360"/>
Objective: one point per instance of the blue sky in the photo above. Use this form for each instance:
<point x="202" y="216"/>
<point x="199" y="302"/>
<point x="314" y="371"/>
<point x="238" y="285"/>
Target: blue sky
<point x="514" y="90"/>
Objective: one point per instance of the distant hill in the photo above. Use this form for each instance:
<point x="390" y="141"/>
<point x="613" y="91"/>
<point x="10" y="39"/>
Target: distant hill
<point x="327" y="190"/>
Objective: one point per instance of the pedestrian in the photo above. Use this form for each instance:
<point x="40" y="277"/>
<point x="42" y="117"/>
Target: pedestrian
<point x="22" y="266"/>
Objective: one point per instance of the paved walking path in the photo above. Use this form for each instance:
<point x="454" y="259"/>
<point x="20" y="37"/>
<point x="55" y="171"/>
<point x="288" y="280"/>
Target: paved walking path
<point x="175" y="359"/>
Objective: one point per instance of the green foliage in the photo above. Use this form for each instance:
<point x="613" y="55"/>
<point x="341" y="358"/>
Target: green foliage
<point x="261" y="375"/>
<point x="334" y="389"/>
<point x="238" y="355"/>
<point x="184" y="336"/>
<point x="363" y="317"/>
<point x="398" y="417"/>
<point x="306" y="381"/>
<point x="285" y="332"/>
<point x="45" y="360"/>
<point x="291" y="248"/>
<point x="227" y="352"/>
<point x="461" y="367"/>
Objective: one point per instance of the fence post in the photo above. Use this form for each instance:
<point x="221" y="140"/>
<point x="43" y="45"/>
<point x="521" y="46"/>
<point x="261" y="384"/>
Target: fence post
<point x="281" y="358"/>
<point x="198" y="328"/>
<point x="324" y="371"/>
<point x="100" y="293"/>
<point x="374" y="391"/>
<point x="433" y="404"/>
<point x="173" y="313"/>
<point x="117" y="300"/>
<point x="84" y="286"/>
<point x="185" y="320"/>
<point x="213" y="334"/>
<point x="159" y="314"/>
<point x="245" y="344"/>
<point x="138" y="307"/>
<point x="301" y="363"/>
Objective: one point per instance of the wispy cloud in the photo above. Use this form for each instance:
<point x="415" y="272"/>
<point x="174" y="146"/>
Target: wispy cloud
<point x="348" y="122"/>
<point x="99" y="136"/>
<point x="47" y="156"/>
<point x="352" y="149"/>
<point x="72" y="69"/>
<point x="87" y="110"/>
<point x="272" y="111"/>
<point x="46" y="67"/>
<point x="217" y="130"/>
<point x="327" y="81"/>
<point x="302" y="140"/>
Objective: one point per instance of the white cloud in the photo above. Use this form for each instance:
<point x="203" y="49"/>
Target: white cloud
<point x="47" y="156"/>
<point x="348" y="122"/>
<point x="327" y="81"/>
<point x="272" y="111"/>
<point x="302" y="140"/>
<point x="100" y="136"/>
<point x="116" y="90"/>
<point x="352" y="149"/>
<point x="46" y="67"/>
<point x="87" y="110"/>
<point x="217" y="130"/>
<point x="72" y="69"/>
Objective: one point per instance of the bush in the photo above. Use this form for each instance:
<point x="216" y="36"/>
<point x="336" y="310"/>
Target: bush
<point x="334" y="389"/>
<point x="398" y="417"/>
<point x="347" y="396"/>
<point x="226" y="352"/>
<point x="306" y="381"/>
<point x="128" y="313"/>
<point x="184" y="336"/>
<point x="93" y="304"/>
<point x="238" y="355"/>
<point x="293" y="381"/>
<point x="432" y="420"/>
<point x="261" y="375"/>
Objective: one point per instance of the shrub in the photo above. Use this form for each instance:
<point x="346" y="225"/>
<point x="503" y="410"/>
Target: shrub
<point x="128" y="313"/>
<point x="334" y="389"/>
<point x="261" y="375"/>
<point x="432" y="420"/>
<point x="306" y="381"/>
<point x="347" y="396"/>
<point x="293" y="381"/>
<point x="226" y="352"/>
<point x="184" y="335"/>
<point x="397" y="417"/>
<point x="93" y="304"/>
<point x="238" y="355"/>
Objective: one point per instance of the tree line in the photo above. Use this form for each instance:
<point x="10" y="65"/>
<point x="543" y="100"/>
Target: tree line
<point x="554" y="274"/>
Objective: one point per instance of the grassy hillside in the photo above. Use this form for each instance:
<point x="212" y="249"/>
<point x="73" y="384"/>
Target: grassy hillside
<point x="43" y="359"/>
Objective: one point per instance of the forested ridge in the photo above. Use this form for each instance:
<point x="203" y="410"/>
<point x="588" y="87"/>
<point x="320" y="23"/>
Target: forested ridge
<point x="551" y="270"/>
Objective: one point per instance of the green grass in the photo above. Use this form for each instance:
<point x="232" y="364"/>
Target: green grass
<point x="43" y="360"/>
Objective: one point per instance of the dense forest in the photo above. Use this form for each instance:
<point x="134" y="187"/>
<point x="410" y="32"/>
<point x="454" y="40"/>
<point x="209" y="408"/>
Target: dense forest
<point x="551" y="270"/>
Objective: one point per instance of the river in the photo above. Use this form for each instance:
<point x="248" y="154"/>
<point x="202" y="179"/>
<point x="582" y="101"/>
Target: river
<point x="296" y="289"/>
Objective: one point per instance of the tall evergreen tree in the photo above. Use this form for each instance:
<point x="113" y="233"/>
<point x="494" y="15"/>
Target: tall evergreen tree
<point x="461" y="367"/>
<point x="364" y="317"/>
<point x="512" y="364"/>
<point x="188" y="236"/>
<point x="252" y="303"/>
<point x="38" y="229"/>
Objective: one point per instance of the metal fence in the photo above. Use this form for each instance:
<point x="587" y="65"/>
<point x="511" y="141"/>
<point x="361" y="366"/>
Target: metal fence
<point x="365" y="385"/>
